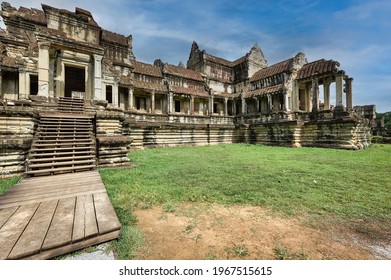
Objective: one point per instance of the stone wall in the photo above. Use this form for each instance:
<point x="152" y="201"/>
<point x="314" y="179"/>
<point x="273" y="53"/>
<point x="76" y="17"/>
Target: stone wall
<point x="343" y="131"/>
<point x="17" y="126"/>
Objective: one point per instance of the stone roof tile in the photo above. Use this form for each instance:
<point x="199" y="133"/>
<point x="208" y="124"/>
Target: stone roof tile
<point x="150" y="86"/>
<point x="278" y="68"/>
<point x="147" y="69"/>
<point x="183" y="72"/>
<point x="266" y="90"/>
<point x="320" y="66"/>
<point x="190" y="91"/>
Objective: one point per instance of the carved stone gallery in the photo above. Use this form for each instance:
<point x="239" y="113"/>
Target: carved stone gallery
<point x="74" y="96"/>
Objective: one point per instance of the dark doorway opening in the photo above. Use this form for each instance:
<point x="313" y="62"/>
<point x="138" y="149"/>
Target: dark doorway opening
<point x="177" y="106"/>
<point x="33" y="84"/>
<point x="74" y="80"/>
<point x="109" y="94"/>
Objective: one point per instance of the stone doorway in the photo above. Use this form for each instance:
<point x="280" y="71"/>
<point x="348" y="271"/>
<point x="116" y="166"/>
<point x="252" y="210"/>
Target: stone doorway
<point x="74" y="80"/>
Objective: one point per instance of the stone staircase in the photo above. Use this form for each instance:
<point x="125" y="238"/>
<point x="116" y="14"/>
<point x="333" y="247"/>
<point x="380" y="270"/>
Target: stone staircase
<point x="63" y="142"/>
<point x="69" y="104"/>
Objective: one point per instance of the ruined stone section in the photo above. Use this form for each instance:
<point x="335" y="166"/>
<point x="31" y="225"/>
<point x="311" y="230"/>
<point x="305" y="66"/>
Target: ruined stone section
<point x="350" y="133"/>
<point x="150" y="135"/>
<point x="112" y="141"/>
<point x="17" y="126"/>
<point x="113" y="150"/>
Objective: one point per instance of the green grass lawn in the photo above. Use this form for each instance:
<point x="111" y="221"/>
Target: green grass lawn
<point x="310" y="182"/>
<point x="349" y="184"/>
<point x="7" y="183"/>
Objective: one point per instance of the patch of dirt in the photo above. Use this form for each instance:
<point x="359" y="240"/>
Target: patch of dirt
<point x="195" y="231"/>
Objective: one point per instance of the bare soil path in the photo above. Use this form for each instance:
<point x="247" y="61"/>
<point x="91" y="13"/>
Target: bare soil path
<point x="210" y="231"/>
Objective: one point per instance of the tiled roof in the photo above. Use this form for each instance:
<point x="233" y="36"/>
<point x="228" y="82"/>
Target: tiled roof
<point x="273" y="70"/>
<point x="239" y="60"/>
<point x="190" y="91"/>
<point x="218" y="60"/>
<point x="114" y="37"/>
<point x="267" y="90"/>
<point x="317" y="67"/>
<point x="183" y="72"/>
<point x="147" y="69"/>
<point x="150" y="86"/>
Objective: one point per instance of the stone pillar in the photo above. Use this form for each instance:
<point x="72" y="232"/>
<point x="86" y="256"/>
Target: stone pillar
<point x="130" y="99"/>
<point x="170" y="100"/>
<point x="1" y="84"/>
<point x="98" y="77"/>
<point x="153" y="102"/>
<point x="308" y="96"/>
<point x="326" y="94"/>
<point x="115" y="95"/>
<point x="211" y="101"/>
<point x="22" y="85"/>
<point x="349" y="99"/>
<point x="286" y="102"/>
<point x="43" y="69"/>
<point x="244" y="107"/>
<point x="226" y="106"/>
<point x="315" y="94"/>
<point x="338" y="90"/>
<point x="295" y="96"/>
<point x="192" y="105"/>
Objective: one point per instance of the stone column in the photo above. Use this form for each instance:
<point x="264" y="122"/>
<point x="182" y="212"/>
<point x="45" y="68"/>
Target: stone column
<point x="22" y="85"/>
<point x="295" y="96"/>
<point x="315" y="94"/>
<point x="192" y="105"/>
<point x="308" y="97"/>
<point x="98" y="77"/>
<point x="244" y="107"/>
<point x="130" y="99"/>
<point x="170" y="100"/>
<point x="43" y="69"/>
<point x="349" y="99"/>
<point x="211" y="101"/>
<point x="338" y="90"/>
<point x="1" y="84"/>
<point x="326" y="94"/>
<point x="115" y="95"/>
<point x="153" y="102"/>
<point x="286" y="102"/>
<point x="226" y="106"/>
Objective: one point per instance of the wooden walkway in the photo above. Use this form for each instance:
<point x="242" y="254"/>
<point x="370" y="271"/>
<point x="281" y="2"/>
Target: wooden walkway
<point x="44" y="217"/>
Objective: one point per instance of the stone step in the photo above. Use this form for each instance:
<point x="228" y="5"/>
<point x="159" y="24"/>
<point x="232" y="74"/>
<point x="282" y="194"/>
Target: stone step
<point x="33" y="150"/>
<point x="63" y="141"/>
<point x="60" y="170"/>
<point x="90" y="152"/>
<point x="61" y="163"/>
<point x="61" y="158"/>
<point x="66" y="144"/>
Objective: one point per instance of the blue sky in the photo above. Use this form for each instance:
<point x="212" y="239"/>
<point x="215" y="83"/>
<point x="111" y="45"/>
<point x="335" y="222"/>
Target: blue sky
<point x="356" y="33"/>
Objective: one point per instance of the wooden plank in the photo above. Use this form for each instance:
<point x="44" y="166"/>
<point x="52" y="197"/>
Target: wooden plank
<point x="31" y="240"/>
<point x="105" y="215"/>
<point x="57" y="194"/>
<point x="14" y="227"/>
<point x="49" y="198"/>
<point x="47" y="188"/>
<point x="60" y="230"/>
<point x="76" y="246"/>
<point x="85" y="225"/>
<point x="5" y="214"/>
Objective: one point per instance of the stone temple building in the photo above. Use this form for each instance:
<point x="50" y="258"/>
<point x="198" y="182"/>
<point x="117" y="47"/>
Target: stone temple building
<point x="74" y="96"/>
